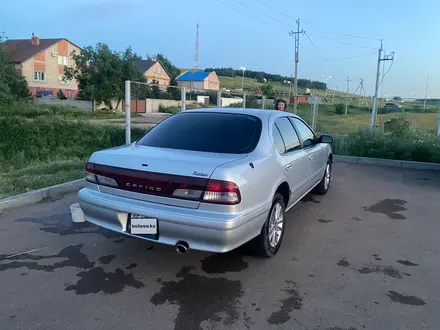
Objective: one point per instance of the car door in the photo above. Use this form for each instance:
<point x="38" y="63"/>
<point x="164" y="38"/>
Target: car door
<point x="291" y="157"/>
<point x="315" y="151"/>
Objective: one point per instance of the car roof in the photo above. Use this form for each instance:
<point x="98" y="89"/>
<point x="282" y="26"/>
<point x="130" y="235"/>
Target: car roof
<point x="260" y="113"/>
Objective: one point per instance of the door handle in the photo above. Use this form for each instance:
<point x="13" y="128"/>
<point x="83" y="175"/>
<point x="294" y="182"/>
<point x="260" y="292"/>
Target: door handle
<point x="288" y="167"/>
<point x="310" y="157"/>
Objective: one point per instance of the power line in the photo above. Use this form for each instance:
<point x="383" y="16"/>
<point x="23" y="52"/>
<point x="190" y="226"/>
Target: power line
<point x="273" y="19"/>
<point x="255" y="18"/>
<point x="314" y="45"/>
<point x="277" y="11"/>
<point x="341" y="33"/>
<point x="346" y="43"/>
<point x="383" y="76"/>
<point x="308" y="51"/>
<point x="324" y="28"/>
<point x="350" y="57"/>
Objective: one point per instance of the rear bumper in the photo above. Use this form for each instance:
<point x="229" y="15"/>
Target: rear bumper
<point x="202" y="230"/>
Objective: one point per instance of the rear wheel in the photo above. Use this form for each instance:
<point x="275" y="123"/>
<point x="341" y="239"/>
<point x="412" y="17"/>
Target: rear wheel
<point x="324" y="184"/>
<point x="269" y="241"/>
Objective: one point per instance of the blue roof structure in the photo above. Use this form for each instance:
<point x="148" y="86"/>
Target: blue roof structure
<point x="193" y="76"/>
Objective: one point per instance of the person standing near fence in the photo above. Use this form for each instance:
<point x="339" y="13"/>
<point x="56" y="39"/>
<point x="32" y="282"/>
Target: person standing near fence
<point x="281" y="105"/>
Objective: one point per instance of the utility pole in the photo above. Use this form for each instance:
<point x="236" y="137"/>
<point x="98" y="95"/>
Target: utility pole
<point x="346" y="99"/>
<point x="438" y="119"/>
<point x="376" y="89"/>
<point x="426" y="92"/>
<point x="295" y="92"/>
<point x="196" y="50"/>
<point x="242" y="77"/>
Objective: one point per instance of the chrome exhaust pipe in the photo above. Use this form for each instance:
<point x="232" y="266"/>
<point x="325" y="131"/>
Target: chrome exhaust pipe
<point x="181" y="247"/>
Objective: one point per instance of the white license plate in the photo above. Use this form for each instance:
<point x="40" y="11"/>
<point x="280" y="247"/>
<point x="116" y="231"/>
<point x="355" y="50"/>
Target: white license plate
<point x="143" y="225"/>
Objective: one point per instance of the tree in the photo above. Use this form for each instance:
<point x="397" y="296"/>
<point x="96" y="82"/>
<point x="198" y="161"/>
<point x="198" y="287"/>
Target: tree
<point x="172" y="70"/>
<point x="268" y="90"/>
<point x="12" y="87"/>
<point x="260" y="77"/>
<point x="101" y="73"/>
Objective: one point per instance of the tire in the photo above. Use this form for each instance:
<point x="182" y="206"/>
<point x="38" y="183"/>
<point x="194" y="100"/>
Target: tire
<point x="324" y="185"/>
<point x="266" y="245"/>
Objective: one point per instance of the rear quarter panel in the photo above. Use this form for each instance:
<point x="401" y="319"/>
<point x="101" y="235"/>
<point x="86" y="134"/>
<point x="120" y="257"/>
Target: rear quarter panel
<point x="257" y="183"/>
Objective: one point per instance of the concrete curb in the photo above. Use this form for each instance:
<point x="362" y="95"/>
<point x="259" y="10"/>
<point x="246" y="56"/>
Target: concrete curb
<point x="388" y="162"/>
<point x="39" y="195"/>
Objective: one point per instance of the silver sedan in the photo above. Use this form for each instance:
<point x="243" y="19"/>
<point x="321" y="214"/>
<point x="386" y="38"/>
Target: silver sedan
<point x="209" y="179"/>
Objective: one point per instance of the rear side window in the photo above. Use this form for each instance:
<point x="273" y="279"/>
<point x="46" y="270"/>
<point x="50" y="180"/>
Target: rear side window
<point x="290" y="138"/>
<point x="206" y="132"/>
<point x="278" y="140"/>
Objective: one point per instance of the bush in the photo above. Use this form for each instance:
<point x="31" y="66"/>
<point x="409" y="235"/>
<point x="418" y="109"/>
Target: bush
<point x="414" y="146"/>
<point x="172" y="110"/>
<point x="24" y="141"/>
<point x="34" y="111"/>
<point x="340" y="109"/>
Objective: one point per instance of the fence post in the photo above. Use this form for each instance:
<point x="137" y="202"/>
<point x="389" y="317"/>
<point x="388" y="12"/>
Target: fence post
<point x="263" y="102"/>
<point x="183" y="99"/>
<point x="315" y="114"/>
<point x="438" y="123"/>
<point x="127" y="112"/>
<point x="219" y="99"/>
<point x="244" y="101"/>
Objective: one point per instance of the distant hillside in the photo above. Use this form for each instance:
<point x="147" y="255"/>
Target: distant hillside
<point x="260" y="76"/>
<point x="282" y="90"/>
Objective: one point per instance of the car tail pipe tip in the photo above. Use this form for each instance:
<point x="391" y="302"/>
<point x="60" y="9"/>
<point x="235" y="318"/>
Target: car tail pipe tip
<point x="181" y="247"/>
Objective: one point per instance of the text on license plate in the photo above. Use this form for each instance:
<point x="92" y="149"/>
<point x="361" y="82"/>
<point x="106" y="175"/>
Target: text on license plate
<point x="143" y="225"/>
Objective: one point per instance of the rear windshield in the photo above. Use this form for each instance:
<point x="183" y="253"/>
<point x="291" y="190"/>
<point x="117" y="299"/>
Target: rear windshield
<point x="207" y="132"/>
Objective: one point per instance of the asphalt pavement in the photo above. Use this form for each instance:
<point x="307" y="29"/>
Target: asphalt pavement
<point x="365" y="256"/>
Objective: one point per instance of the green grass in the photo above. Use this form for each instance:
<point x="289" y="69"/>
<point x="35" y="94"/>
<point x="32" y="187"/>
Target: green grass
<point x="67" y="112"/>
<point x="48" y="173"/>
<point x="357" y="120"/>
<point x="48" y="150"/>
<point x="411" y="145"/>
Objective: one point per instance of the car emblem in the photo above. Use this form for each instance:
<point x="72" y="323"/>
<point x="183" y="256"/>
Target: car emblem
<point x="200" y="173"/>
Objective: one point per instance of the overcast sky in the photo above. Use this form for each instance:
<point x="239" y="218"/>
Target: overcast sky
<point x="230" y="37"/>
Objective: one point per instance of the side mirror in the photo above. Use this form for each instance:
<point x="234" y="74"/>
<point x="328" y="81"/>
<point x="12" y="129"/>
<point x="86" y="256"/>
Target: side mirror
<point x="324" y="138"/>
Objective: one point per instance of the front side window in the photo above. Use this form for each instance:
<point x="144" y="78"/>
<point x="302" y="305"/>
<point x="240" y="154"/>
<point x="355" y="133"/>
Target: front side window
<point x="290" y="138"/>
<point x="305" y="132"/>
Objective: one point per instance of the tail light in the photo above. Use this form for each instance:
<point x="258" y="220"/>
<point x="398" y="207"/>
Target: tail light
<point x="97" y="178"/>
<point x="222" y="192"/>
<point x="167" y="185"/>
<point x="215" y="191"/>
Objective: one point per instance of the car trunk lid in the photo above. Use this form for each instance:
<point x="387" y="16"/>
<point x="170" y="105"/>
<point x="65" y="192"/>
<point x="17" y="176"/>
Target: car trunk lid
<point x="156" y="173"/>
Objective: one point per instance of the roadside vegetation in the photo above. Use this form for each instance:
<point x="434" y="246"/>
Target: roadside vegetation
<point x="39" y="151"/>
<point x="411" y="136"/>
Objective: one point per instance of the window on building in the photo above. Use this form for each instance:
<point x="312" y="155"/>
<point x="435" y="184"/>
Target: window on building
<point x="62" y="60"/>
<point x="39" y="76"/>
